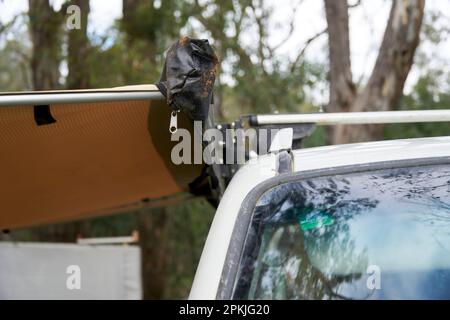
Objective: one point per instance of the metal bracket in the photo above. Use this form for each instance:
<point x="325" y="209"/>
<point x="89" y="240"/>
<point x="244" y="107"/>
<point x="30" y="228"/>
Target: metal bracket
<point x="282" y="140"/>
<point x="282" y="145"/>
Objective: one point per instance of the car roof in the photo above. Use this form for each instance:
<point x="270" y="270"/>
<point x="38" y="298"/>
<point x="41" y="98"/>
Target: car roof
<point x="370" y="152"/>
<point x="262" y="168"/>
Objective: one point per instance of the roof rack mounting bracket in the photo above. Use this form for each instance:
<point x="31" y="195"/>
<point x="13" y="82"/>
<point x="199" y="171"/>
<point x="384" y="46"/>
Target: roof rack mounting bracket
<point x="284" y="162"/>
<point x="281" y="147"/>
<point x="282" y="140"/>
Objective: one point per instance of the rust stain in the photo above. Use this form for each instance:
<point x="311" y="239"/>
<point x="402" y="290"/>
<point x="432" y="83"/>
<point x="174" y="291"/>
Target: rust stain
<point x="208" y="80"/>
<point x="183" y="41"/>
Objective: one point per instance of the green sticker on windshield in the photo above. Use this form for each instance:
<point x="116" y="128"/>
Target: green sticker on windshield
<point x="318" y="221"/>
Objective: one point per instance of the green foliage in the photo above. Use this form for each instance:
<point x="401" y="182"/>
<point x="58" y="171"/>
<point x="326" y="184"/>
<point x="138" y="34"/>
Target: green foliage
<point x="317" y="139"/>
<point x="145" y="21"/>
<point x="15" y="73"/>
<point x="188" y="226"/>
<point x="276" y="91"/>
<point x="107" y="66"/>
<point x="254" y="79"/>
<point x="147" y="31"/>
<point x="427" y="94"/>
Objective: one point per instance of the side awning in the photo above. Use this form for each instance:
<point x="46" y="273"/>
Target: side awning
<point x="70" y="154"/>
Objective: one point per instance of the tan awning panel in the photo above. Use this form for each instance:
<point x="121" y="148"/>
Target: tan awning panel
<point x="95" y="156"/>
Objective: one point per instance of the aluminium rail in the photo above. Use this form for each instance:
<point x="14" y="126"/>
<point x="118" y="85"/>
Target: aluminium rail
<point x="125" y="94"/>
<point x="378" y="117"/>
<point x="65" y="97"/>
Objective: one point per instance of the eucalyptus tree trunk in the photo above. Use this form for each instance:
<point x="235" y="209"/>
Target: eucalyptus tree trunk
<point x="46" y="32"/>
<point x="154" y="246"/>
<point x="140" y="36"/>
<point x="78" y="56"/>
<point x="140" y="46"/>
<point x="342" y="89"/>
<point x="384" y="88"/>
<point x="46" y="29"/>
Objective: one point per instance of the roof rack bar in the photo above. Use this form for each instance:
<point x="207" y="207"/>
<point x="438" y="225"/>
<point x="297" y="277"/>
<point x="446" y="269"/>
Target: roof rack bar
<point x="76" y="97"/>
<point x="379" y="117"/>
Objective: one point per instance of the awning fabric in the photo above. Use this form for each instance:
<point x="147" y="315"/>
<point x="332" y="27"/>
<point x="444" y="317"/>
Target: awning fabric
<point x="93" y="158"/>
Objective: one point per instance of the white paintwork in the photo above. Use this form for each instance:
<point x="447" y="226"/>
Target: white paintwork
<point x="360" y="153"/>
<point x="211" y="262"/>
<point x="209" y="270"/>
<point x="282" y="140"/>
<point x="356" y="117"/>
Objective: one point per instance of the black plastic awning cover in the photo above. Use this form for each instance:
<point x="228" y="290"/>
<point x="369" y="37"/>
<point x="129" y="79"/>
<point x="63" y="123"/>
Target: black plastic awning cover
<point x="188" y="77"/>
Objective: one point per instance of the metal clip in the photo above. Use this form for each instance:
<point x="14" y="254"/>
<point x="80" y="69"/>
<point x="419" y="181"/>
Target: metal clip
<point x="173" y="126"/>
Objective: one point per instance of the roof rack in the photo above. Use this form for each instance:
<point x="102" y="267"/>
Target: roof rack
<point x="325" y="119"/>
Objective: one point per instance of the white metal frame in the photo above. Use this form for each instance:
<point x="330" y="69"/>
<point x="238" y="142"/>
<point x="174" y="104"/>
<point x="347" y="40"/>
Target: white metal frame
<point x="355" y="117"/>
<point x="47" y="98"/>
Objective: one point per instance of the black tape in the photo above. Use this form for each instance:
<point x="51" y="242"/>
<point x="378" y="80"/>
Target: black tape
<point x="43" y="116"/>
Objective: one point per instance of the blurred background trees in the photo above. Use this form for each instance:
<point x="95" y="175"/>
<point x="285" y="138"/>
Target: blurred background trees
<point x="385" y="85"/>
<point x="38" y="51"/>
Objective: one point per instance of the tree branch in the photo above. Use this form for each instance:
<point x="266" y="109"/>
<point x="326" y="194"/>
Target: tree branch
<point x="10" y="24"/>
<point x="308" y="42"/>
<point x="356" y="4"/>
<point x="291" y="27"/>
<point x="395" y="58"/>
<point x="259" y="20"/>
<point x="342" y="89"/>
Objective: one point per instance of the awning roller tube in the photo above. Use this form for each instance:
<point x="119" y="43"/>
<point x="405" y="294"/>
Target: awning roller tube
<point x="76" y="97"/>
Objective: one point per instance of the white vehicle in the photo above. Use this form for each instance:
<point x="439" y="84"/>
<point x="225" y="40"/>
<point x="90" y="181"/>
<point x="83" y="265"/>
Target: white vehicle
<point x="366" y="220"/>
<point x="278" y="235"/>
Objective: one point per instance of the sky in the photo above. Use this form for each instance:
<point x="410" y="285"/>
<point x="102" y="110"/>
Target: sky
<point x="367" y="23"/>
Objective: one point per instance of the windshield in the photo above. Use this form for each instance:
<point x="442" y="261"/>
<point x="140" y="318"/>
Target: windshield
<point x="375" y="235"/>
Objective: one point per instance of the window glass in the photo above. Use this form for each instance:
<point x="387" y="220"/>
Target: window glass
<point x="375" y="235"/>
